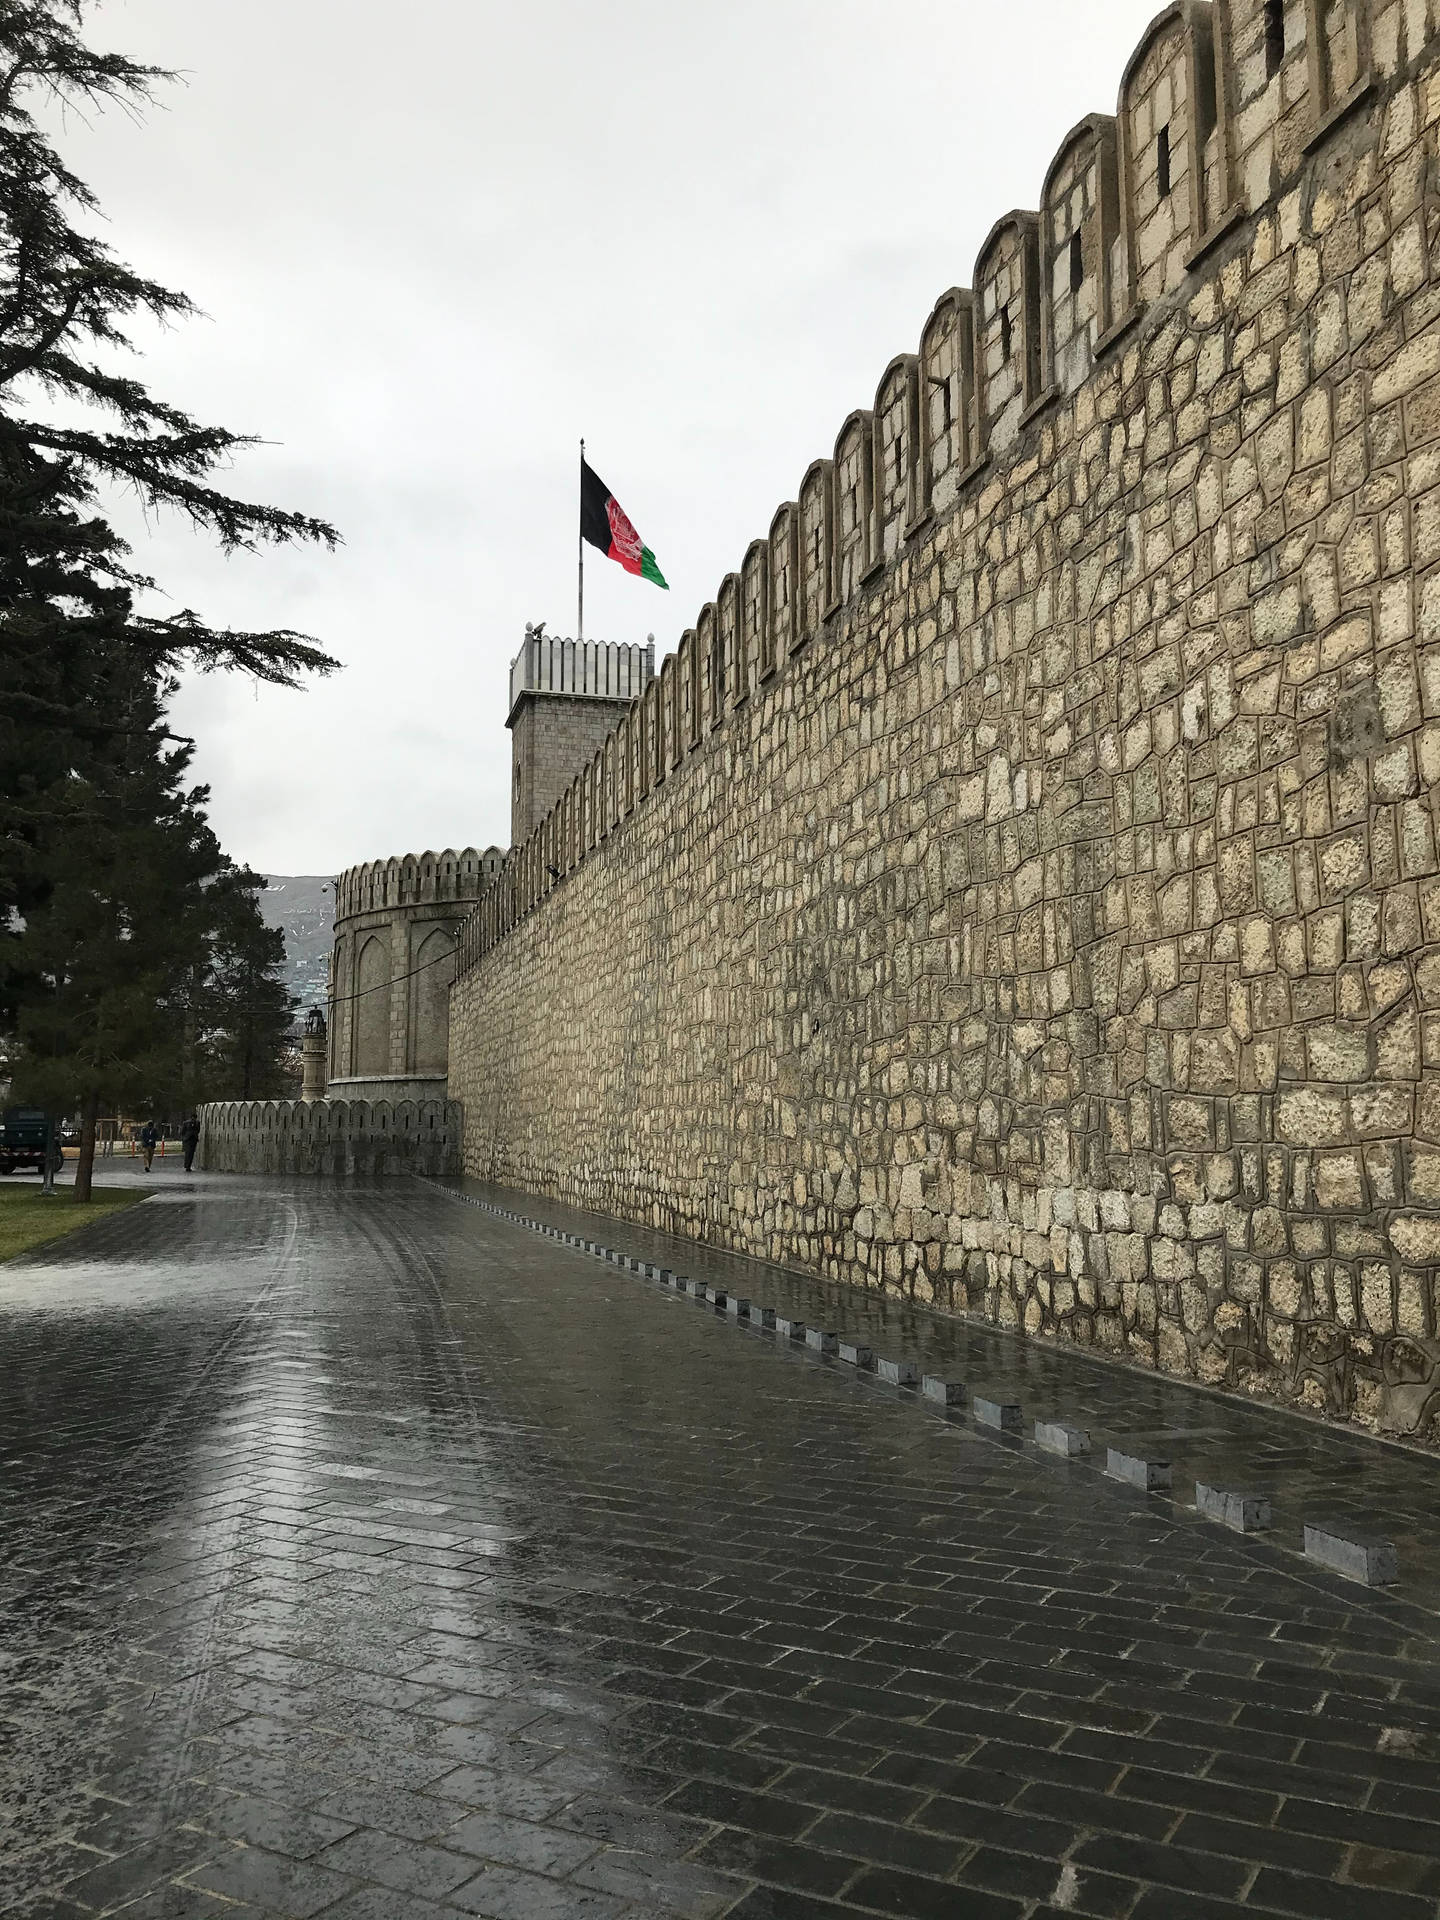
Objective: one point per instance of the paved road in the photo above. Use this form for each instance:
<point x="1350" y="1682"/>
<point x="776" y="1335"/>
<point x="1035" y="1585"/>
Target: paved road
<point x="365" y="1556"/>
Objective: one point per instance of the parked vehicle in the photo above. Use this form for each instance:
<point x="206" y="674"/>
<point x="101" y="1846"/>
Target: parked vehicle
<point x="24" y="1132"/>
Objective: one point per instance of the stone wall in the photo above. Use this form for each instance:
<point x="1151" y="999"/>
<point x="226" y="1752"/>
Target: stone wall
<point x="336" y="1137"/>
<point x="1020" y="889"/>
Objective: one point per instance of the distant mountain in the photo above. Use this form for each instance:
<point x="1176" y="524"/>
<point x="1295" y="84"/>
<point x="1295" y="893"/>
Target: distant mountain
<point x="303" y="907"/>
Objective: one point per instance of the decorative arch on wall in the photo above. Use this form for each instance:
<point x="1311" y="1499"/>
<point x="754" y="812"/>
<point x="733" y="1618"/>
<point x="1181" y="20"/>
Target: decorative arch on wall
<point x="624" y="766"/>
<point x="1168" y="117"/>
<point x="688" y="654"/>
<point x="1338" y="38"/>
<point x="710" y="668"/>
<point x="669" y="713"/>
<point x="651" y="748"/>
<point x="896" y="441"/>
<point x="945" y="383"/>
<point x="730" y="643"/>
<point x="642" y="715"/>
<point x="854" y="494"/>
<point x="341" y="963"/>
<point x="817" y="547"/>
<point x="1082" y="252"/>
<point x="757" y="640"/>
<point x="783" y="549"/>
<point x="371" y="1026"/>
<point x="1007" y="328"/>
<point x="434" y="969"/>
<point x="635" y="754"/>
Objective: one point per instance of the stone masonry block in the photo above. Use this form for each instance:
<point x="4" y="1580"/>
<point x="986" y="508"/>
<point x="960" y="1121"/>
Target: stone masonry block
<point x="1347" y="1550"/>
<point x="763" y="1317"/>
<point x="1241" y="1512"/>
<point x="947" y="1393"/>
<point x="1004" y="1414"/>
<point x="898" y="1373"/>
<point x="1136" y="1470"/>
<point x="737" y="1308"/>
<point x="789" y="1329"/>
<point x="1054" y="1436"/>
<point x="819" y="1341"/>
<point x="854" y="1355"/>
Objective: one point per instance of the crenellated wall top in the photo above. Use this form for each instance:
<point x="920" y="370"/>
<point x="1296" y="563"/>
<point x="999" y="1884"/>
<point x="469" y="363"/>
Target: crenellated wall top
<point x="415" y="879"/>
<point x="1220" y="108"/>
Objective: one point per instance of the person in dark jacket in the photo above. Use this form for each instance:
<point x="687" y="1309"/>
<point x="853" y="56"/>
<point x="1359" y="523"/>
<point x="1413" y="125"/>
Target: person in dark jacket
<point x="149" y="1139"/>
<point x="190" y="1140"/>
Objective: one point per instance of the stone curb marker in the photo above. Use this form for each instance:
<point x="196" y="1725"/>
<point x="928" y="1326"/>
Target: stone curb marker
<point x="1003" y="1414"/>
<point x="1136" y="1470"/>
<point x="1054" y="1436"/>
<point x="1358" y="1556"/>
<point x="1336" y="1546"/>
<point x="1241" y="1512"/>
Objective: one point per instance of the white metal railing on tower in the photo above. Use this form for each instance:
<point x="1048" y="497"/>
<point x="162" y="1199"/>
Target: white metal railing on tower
<point x="604" y="669"/>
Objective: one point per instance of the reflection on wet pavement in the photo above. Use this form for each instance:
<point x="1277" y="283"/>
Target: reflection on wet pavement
<point x="367" y="1556"/>
<point x="1308" y="1468"/>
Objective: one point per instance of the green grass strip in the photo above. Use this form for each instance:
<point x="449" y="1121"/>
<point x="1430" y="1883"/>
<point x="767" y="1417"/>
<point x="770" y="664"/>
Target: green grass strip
<point x="27" y="1220"/>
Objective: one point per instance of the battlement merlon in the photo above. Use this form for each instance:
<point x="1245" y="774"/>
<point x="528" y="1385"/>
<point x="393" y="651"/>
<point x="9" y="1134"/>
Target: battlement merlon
<point x="415" y="878"/>
<point x="1217" y="146"/>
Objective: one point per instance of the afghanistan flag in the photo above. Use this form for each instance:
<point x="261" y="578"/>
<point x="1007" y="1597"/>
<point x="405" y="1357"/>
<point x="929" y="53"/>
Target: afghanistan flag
<point x="606" y="525"/>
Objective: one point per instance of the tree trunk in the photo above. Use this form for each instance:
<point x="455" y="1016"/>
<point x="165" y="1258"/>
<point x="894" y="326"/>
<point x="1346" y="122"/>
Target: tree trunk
<point x="85" y="1165"/>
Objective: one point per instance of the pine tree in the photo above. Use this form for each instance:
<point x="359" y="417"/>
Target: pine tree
<point x="65" y="304"/>
<point x="84" y="665"/>
<point x="246" y="1011"/>
<point x="125" y="923"/>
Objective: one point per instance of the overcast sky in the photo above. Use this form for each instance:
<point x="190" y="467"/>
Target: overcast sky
<point x="437" y="243"/>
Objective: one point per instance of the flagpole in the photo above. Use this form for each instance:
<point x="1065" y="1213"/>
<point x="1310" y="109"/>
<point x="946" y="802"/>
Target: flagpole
<point x="580" y="544"/>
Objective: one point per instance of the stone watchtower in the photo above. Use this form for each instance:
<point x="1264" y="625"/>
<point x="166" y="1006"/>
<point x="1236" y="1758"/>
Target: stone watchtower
<point x="396" y="925"/>
<point x="565" y="698"/>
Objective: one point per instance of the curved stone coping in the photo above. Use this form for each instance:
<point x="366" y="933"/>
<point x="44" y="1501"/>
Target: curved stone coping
<point x="320" y="1113"/>
<point x="445" y="877"/>
<point x="331" y="1136"/>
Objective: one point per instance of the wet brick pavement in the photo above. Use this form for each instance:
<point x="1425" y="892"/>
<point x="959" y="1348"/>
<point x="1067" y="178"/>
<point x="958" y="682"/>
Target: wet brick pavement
<point x="368" y="1556"/>
<point x="1309" y="1469"/>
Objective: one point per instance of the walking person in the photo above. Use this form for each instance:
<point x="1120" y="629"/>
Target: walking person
<point x="149" y="1138"/>
<point x="190" y="1140"/>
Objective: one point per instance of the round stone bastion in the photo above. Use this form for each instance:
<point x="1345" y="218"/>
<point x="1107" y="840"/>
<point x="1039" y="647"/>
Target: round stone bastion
<point x="397" y="924"/>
